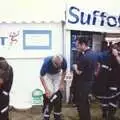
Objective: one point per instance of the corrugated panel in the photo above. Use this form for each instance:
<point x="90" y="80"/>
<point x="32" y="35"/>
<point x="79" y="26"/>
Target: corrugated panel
<point x="28" y="22"/>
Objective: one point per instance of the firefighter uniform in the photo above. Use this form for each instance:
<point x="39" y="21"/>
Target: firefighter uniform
<point x="52" y="77"/>
<point x="107" y="86"/>
<point x="87" y="64"/>
<point x="4" y="91"/>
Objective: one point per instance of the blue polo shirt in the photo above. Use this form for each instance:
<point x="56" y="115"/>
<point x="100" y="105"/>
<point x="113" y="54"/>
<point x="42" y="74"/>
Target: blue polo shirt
<point x="49" y="68"/>
<point x="104" y="56"/>
<point x="87" y="64"/>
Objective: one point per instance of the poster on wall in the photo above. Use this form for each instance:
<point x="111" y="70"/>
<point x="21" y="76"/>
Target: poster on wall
<point x="25" y="43"/>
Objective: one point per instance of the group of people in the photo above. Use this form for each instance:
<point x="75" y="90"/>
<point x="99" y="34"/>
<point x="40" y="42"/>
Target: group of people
<point x="96" y="73"/>
<point x="93" y="72"/>
<point x="107" y="85"/>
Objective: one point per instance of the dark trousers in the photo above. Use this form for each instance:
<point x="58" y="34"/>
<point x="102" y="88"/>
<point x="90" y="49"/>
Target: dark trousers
<point x="109" y="107"/>
<point x="4" y="116"/>
<point x="82" y="100"/>
<point x="4" y="104"/>
<point x="49" y="106"/>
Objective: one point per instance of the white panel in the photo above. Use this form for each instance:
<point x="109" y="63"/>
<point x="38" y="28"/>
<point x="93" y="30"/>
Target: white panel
<point x="67" y="47"/>
<point x="35" y="40"/>
<point x="15" y="49"/>
<point x="26" y="79"/>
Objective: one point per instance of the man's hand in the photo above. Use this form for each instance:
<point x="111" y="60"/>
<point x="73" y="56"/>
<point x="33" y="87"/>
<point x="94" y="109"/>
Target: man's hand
<point x="75" y="68"/>
<point x="62" y="87"/>
<point x="1" y="82"/>
<point x="48" y="93"/>
<point x="115" y="52"/>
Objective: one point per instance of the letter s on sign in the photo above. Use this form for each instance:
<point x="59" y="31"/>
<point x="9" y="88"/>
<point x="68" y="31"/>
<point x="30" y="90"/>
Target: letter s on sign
<point x="71" y="12"/>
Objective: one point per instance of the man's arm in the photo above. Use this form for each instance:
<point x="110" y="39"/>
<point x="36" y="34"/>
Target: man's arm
<point x="42" y="74"/>
<point x="97" y="69"/>
<point x="63" y="74"/>
<point x="1" y="82"/>
<point x="43" y="83"/>
<point x="116" y="54"/>
<point x="118" y="59"/>
<point x="61" y="87"/>
<point x="75" y="68"/>
<point x="47" y="91"/>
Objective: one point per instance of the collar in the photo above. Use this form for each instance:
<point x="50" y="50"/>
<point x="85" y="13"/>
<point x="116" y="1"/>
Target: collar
<point x="88" y="49"/>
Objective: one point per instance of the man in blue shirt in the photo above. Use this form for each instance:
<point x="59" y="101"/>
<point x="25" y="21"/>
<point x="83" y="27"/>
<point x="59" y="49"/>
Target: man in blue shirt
<point x="85" y="68"/>
<point x="52" y="74"/>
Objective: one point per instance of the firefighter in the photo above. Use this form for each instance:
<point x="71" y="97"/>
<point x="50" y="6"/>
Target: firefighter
<point x="6" y="79"/>
<point x="52" y="74"/>
<point x="85" y="69"/>
<point x="107" y="87"/>
<point x="76" y="77"/>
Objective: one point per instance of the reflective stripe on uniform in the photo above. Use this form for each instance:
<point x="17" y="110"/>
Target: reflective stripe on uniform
<point x="46" y="111"/>
<point x="113" y="105"/>
<point x="110" y="97"/>
<point x="106" y="67"/>
<point x="45" y="115"/>
<point x="57" y="113"/>
<point x="104" y="105"/>
<point x="5" y="93"/>
<point x="4" y="109"/>
<point x="113" y="88"/>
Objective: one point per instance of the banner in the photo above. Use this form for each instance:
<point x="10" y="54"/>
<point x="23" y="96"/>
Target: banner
<point x="91" y="19"/>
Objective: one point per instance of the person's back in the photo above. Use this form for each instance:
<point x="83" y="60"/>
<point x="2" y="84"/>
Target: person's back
<point x="86" y="70"/>
<point x="108" y="80"/>
<point x="6" y="79"/>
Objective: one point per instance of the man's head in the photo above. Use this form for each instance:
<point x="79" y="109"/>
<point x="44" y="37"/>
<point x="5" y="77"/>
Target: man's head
<point x="116" y="46"/>
<point x="4" y="73"/>
<point x="3" y="63"/>
<point x="82" y="44"/>
<point x="57" y="60"/>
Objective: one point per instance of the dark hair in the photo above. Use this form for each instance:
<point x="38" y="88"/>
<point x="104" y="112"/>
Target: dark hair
<point x="104" y="46"/>
<point x="116" y="46"/>
<point x="84" y="39"/>
<point x="4" y="69"/>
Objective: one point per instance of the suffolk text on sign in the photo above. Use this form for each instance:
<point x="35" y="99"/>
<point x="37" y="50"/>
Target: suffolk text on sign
<point x="93" y="20"/>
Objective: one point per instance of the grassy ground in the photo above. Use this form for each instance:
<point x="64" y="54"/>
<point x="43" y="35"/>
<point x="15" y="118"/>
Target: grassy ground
<point x="69" y="113"/>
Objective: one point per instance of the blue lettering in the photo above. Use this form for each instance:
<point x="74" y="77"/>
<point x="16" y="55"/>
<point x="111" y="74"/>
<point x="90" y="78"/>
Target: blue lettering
<point x="112" y="19"/>
<point x="83" y="21"/>
<point x="94" y="17"/>
<point x="73" y="15"/>
<point x="83" y="18"/>
<point x="3" y="40"/>
<point x="119" y="21"/>
<point x="102" y="18"/>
